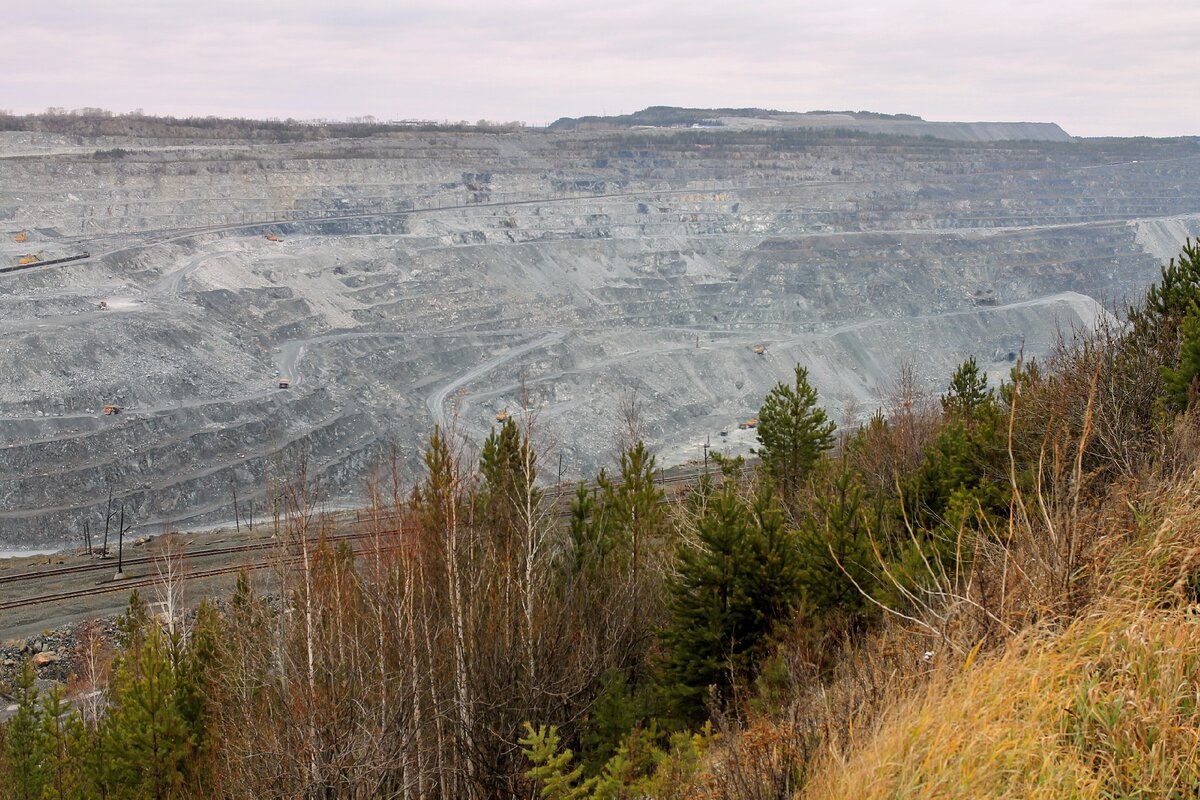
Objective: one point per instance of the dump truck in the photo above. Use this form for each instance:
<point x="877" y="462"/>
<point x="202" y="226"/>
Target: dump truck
<point x="272" y="237"/>
<point x="285" y="383"/>
<point x="104" y="305"/>
<point x="111" y="409"/>
<point x="748" y="424"/>
<point x="502" y="415"/>
<point x="758" y="350"/>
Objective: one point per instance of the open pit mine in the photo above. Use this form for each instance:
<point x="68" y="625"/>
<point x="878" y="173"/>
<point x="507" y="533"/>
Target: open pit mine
<point x="185" y="317"/>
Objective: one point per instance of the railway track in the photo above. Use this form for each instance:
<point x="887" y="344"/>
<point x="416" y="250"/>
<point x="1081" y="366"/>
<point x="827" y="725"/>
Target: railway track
<point x="151" y="580"/>
<point x="100" y="566"/>
<point x="557" y="495"/>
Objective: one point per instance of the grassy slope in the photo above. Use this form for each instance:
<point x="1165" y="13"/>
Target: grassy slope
<point x="1107" y="707"/>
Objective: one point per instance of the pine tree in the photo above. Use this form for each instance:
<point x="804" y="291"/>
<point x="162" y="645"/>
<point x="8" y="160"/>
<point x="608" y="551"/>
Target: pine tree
<point x="615" y="711"/>
<point x="1171" y="299"/>
<point x="837" y="558"/>
<point x="192" y="663"/>
<point x="1182" y="382"/>
<point x="438" y="497"/>
<point x="631" y="513"/>
<point x="553" y="767"/>
<point x="146" y="737"/>
<point x="505" y="482"/>
<point x="965" y="470"/>
<point x="590" y="542"/>
<point x="793" y="432"/>
<point x="773" y="567"/>
<point x="703" y="631"/>
<point x="25" y="754"/>
<point x="65" y="743"/>
<point x="968" y="393"/>
<point x="133" y="623"/>
<point x="733" y="585"/>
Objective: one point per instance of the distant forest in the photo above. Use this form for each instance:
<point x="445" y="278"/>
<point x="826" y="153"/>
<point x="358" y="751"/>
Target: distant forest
<point x="100" y="122"/>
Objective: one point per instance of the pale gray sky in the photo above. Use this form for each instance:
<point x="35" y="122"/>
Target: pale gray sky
<point x="1097" y="67"/>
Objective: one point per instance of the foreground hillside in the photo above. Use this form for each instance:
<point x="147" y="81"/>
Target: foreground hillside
<point x="992" y="593"/>
<point x="411" y="278"/>
<point x="1095" y="706"/>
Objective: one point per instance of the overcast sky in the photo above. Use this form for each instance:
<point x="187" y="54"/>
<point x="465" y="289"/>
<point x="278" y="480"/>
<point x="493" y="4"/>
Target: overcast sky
<point x="1097" y="67"/>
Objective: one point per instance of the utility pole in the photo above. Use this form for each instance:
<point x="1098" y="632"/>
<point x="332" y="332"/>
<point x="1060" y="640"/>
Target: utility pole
<point x="120" y="576"/>
<point x="108" y="515"/>
<point x="236" y="519"/>
<point x="707" y="440"/>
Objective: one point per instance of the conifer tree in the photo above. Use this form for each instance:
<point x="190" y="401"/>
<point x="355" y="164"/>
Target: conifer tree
<point x="553" y="768"/>
<point x="438" y="496"/>
<point x="1172" y="298"/>
<point x="631" y="513"/>
<point x="25" y="753"/>
<point x="590" y="542"/>
<point x="1180" y="382"/>
<point x="732" y="586"/>
<point x="191" y="663"/>
<point x="836" y="556"/>
<point x="793" y="432"/>
<point x="65" y="742"/>
<point x="615" y="711"/>
<point x="147" y="744"/>
<point x="773" y="568"/>
<point x="965" y="470"/>
<point x="502" y="495"/>
<point x="968" y="393"/>
<point x="133" y="623"/>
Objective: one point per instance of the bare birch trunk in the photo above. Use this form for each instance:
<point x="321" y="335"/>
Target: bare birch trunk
<point x="457" y="623"/>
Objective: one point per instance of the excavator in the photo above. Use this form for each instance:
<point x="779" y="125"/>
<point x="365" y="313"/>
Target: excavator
<point x="21" y="237"/>
<point x="29" y="258"/>
<point x="502" y="416"/>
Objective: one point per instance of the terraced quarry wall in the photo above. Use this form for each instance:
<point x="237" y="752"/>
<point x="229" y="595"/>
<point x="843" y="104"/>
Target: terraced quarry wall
<point x="425" y="278"/>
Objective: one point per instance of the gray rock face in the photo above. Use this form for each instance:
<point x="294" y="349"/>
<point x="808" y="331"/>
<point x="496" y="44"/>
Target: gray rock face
<point x="952" y="131"/>
<point x="426" y="278"/>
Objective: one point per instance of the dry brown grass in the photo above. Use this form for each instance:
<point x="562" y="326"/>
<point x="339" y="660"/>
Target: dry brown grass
<point x="1107" y="705"/>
